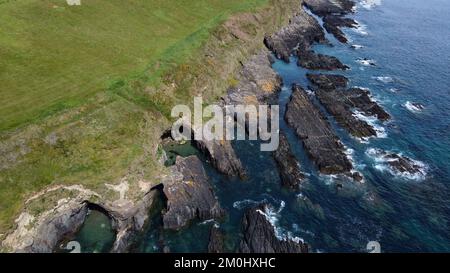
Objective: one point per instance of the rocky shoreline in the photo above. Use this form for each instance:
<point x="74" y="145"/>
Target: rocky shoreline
<point x="187" y="191"/>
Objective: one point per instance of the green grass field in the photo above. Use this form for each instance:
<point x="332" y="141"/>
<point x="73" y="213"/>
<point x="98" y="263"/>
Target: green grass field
<point x="73" y="88"/>
<point x="54" y="56"/>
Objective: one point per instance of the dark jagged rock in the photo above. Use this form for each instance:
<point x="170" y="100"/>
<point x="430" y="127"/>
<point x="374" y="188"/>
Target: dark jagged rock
<point x="288" y="166"/>
<point x="302" y="29"/>
<point x="360" y="99"/>
<point x="259" y="235"/>
<point x="327" y="81"/>
<point x="333" y="25"/>
<point x="338" y="105"/>
<point x="333" y="12"/>
<point x="326" y="7"/>
<point x="330" y="90"/>
<point x="189" y="196"/>
<point x="302" y="32"/>
<point x="308" y="59"/>
<point x="216" y="240"/>
<point x="318" y="138"/>
<point x="222" y="156"/>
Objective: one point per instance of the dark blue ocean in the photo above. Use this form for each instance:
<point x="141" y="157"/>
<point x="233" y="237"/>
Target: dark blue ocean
<point x="409" y="41"/>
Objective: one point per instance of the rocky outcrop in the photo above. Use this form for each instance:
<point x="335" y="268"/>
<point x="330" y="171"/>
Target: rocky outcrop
<point x="334" y="23"/>
<point x="332" y="13"/>
<point x="341" y="103"/>
<point x="399" y="164"/>
<point x="258" y="82"/>
<point x="299" y="36"/>
<point x="259" y="236"/>
<point x="308" y="59"/>
<point x="189" y="195"/>
<point x="222" y="156"/>
<point x="319" y="139"/>
<point x="41" y="233"/>
<point x="288" y="166"/>
<point x="326" y="7"/>
<point x="302" y="29"/>
<point x="216" y="240"/>
<point x="327" y="81"/>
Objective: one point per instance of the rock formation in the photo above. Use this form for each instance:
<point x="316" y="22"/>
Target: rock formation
<point x="299" y="36"/>
<point x="332" y="13"/>
<point x="259" y="236"/>
<point x="319" y="140"/>
<point x="189" y="195"/>
<point x="216" y="240"/>
<point x="288" y="166"/>
<point x="341" y="103"/>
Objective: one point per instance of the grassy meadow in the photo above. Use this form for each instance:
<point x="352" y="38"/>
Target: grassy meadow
<point x="76" y="89"/>
<point x="54" y="56"/>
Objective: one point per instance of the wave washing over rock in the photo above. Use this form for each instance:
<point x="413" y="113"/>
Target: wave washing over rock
<point x="397" y="164"/>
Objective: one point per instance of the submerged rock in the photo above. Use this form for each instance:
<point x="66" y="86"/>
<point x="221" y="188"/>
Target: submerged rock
<point x="216" y="240"/>
<point x="288" y="166"/>
<point x="189" y="195"/>
<point x="259" y="236"/>
<point x="319" y="139"/>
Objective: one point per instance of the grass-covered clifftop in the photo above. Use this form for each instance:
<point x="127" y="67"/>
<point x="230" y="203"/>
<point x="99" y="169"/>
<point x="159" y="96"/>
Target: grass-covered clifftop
<point x="54" y="56"/>
<point x="86" y="90"/>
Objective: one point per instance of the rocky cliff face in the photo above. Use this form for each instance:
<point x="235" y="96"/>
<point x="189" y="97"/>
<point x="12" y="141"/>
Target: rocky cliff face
<point x="189" y="195"/>
<point x="332" y="13"/>
<point x="259" y="236"/>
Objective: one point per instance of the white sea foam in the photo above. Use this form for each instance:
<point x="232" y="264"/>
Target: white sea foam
<point x="366" y="62"/>
<point x="207" y="222"/>
<point x="357" y="46"/>
<point x="360" y="29"/>
<point x="246" y="203"/>
<point x="369" y="4"/>
<point x="372" y="121"/>
<point x="413" y="107"/>
<point x="273" y="216"/>
<point x="393" y="90"/>
<point x="384" y="79"/>
<point x="381" y="164"/>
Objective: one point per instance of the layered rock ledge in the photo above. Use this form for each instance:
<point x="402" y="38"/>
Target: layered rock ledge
<point x="290" y="173"/>
<point x="259" y="236"/>
<point x="319" y="139"/>
<point x="189" y="195"/>
<point x="341" y="103"/>
<point x="298" y="37"/>
<point x="333" y="14"/>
